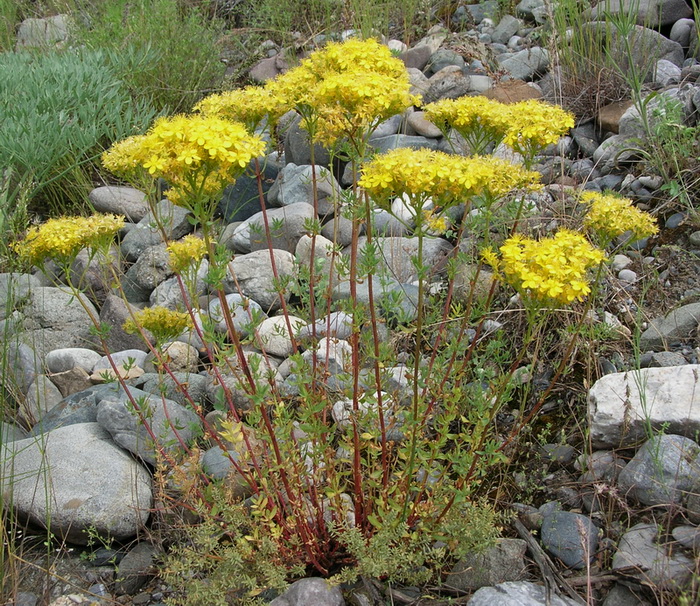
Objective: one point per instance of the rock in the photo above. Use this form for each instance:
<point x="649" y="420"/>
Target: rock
<point x="666" y="358"/>
<point x="274" y="334"/>
<point x="609" y="115"/>
<point x="14" y="289"/>
<point x="125" y="420"/>
<point x="688" y="537"/>
<point x="41" y="397"/>
<point x="43" y="33"/>
<point x="416" y="57"/>
<point x="310" y="592"/>
<point x="286" y="224"/>
<point x="55" y="319"/>
<point x="136" y="567"/>
<point x="525" y="64"/>
<point x="472" y="281"/>
<point x="652" y="561"/>
<point x="337" y="324"/>
<point x="483" y="10"/>
<point x="80" y="407"/>
<point x="324" y="252"/>
<point x="442" y="58"/>
<point x="530" y="9"/>
<point x="241" y="200"/>
<point x="264" y="70"/>
<point x="631" y="124"/>
<point x="179" y="357"/>
<point x="518" y="593"/>
<point x="144" y="234"/>
<point x="384" y="144"/>
<point x="390" y="126"/>
<point x="113" y="314"/>
<point x="169" y="293"/>
<point x="449" y="83"/>
<point x="71" y="381"/>
<point x="512" y="91"/>
<point x="19" y="370"/>
<point x="507" y="27"/>
<point x="127" y="201"/>
<point x="10" y="433"/>
<point x="666" y="73"/>
<point x="680" y="32"/>
<point x="652" y="13"/>
<point x="295" y="184"/>
<point x="80" y="480"/>
<point x="647" y="47"/>
<point x="94" y="275"/>
<point x="150" y="269"/>
<point x="396" y="255"/>
<point x="254" y="276"/>
<point x="173" y="387"/>
<point x="331" y="355"/>
<point x="662" y="472"/>
<point x="123" y="360"/>
<point x="621" y="415"/>
<point x="419" y="86"/>
<point x="627" y="275"/>
<point x="67" y="358"/>
<point x="571" y="537"/>
<point x="505" y="561"/>
<point x="678" y="325"/>
<point x="219" y="465"/>
<point x="244" y="313"/>
<point x="297" y="148"/>
<point x="339" y="230"/>
<point x="422" y="126"/>
<point x="613" y="152"/>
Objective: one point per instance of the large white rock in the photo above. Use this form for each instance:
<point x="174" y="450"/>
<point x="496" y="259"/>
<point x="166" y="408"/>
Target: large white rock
<point x="623" y="406"/>
<point x="76" y="478"/>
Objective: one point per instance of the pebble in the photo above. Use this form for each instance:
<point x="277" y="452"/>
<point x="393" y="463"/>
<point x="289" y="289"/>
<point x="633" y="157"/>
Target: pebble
<point x="627" y="275"/>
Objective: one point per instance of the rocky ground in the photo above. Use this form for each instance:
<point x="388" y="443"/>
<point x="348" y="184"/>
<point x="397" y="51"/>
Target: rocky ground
<point x="572" y="548"/>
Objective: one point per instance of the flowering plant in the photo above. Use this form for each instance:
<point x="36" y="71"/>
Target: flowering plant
<point x="611" y="216"/>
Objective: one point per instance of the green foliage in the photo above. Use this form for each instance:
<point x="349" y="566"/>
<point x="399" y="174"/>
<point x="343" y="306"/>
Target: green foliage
<point x="166" y="54"/>
<point x="72" y="106"/>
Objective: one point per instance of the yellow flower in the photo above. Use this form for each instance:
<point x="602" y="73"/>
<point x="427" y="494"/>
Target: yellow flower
<point x="611" y="216"/>
<point x="434" y="222"/>
<point x="534" y="124"/>
<point x="446" y="178"/>
<point x="162" y="323"/>
<point x="61" y="239"/>
<point x="196" y="155"/>
<point x="551" y="270"/>
<point x="249" y="105"/>
<point x="183" y="253"/>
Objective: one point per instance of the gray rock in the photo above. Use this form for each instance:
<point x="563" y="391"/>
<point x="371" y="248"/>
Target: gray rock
<point x="662" y="472"/>
<point x="416" y="57"/>
<point x="286" y="225"/>
<point x="688" y="537"/>
<point x="614" y="151"/>
<point x="14" y="289"/>
<point x="505" y="561"/>
<point x="173" y="387"/>
<point x="678" y="325"/>
<point x="530" y="9"/>
<point x="243" y="313"/>
<point x="622" y="407"/>
<point x="339" y="230"/>
<point x="297" y="148"/>
<point x="518" y="593"/>
<point x="666" y="73"/>
<point x="666" y="358"/>
<point x="571" y="537"/>
<point x="67" y="358"/>
<point x="179" y="356"/>
<point x="680" y="32"/>
<point x="483" y="10"/>
<point x="274" y="336"/>
<point x="310" y="592"/>
<point x="652" y="13"/>
<point x="449" y="83"/>
<point x="398" y="304"/>
<point x="631" y="124"/>
<point x="113" y="314"/>
<point x="525" y="64"/>
<point x="646" y="557"/>
<point x="170" y="422"/>
<point x="43" y="33"/>
<point x="169" y="293"/>
<point x="254" y="276"/>
<point x="121" y="359"/>
<point x="94" y="275"/>
<point x="127" y="201"/>
<point x="41" y="397"/>
<point x="442" y="58"/>
<point x="150" y="269"/>
<point x="55" y="318"/>
<point x="621" y="595"/>
<point x="136" y="567"/>
<point x="507" y="27"/>
<point x="385" y="144"/>
<point x="80" y="480"/>
<point x="587" y="140"/>
<point x="627" y="275"/>
<point x="337" y="324"/>
<point x="20" y="368"/>
<point x="396" y="255"/>
<point x="144" y="234"/>
<point x="331" y="355"/>
<point x="295" y="184"/>
<point x="419" y="86"/>
<point x="221" y="465"/>
<point x="10" y="433"/>
<point x="71" y="381"/>
<point x="80" y="407"/>
<point x="419" y="125"/>
<point x="647" y="47"/>
<point x="390" y="126"/>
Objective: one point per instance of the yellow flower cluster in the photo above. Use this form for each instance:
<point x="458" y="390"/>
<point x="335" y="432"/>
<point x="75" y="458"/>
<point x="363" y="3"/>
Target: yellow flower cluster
<point x="612" y="216"/>
<point x="249" y="105"/>
<point x="445" y="178"/>
<point x="63" y="238"/>
<point x="183" y="253"/>
<point x="526" y="127"/>
<point x="162" y="323"/>
<point x="535" y="124"/>
<point x="197" y="155"/>
<point x="346" y="88"/>
<point x="551" y="270"/>
<point x="479" y="120"/>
